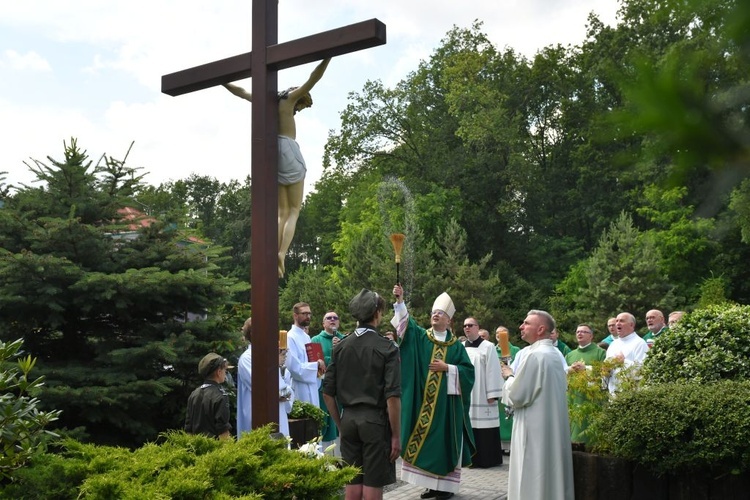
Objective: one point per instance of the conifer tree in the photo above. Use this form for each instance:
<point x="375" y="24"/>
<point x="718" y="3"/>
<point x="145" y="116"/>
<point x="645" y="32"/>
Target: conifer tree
<point x="118" y="317"/>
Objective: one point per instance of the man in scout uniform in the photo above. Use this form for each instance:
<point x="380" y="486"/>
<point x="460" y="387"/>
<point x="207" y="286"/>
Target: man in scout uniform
<point x="364" y="378"/>
<point x="208" y="405"/>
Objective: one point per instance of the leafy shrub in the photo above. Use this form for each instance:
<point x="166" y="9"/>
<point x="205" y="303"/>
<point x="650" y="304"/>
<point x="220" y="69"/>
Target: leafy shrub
<point x="183" y="466"/>
<point x="680" y="427"/>
<point x="706" y="345"/>
<point x="587" y="397"/>
<point x="22" y="433"/>
<point x="303" y="409"/>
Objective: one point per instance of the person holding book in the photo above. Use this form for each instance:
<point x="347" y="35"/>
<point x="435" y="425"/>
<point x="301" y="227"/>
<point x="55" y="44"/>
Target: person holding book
<point x="305" y="374"/>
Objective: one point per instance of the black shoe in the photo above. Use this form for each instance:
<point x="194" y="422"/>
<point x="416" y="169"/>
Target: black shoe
<point x="441" y="495"/>
<point x="428" y="493"/>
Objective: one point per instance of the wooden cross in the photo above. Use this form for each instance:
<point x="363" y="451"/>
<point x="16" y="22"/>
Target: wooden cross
<point x="263" y="64"/>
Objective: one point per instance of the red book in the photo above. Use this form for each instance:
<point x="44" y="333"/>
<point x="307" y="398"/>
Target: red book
<point x="314" y="351"/>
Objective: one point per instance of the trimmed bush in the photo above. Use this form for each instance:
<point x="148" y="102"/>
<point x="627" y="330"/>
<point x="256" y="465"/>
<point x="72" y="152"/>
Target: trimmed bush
<point x="706" y="345"/>
<point x="680" y="427"/>
<point x="183" y="466"/>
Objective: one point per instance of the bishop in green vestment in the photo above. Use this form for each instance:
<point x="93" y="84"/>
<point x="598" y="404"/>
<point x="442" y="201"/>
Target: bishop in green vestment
<point x="436" y="381"/>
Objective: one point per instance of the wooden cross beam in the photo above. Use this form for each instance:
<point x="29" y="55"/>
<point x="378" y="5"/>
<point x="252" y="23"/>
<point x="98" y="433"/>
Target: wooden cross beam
<point x="263" y="63"/>
<point x="282" y="56"/>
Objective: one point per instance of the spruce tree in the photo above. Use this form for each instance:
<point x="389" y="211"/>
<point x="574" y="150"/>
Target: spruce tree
<point x="118" y="312"/>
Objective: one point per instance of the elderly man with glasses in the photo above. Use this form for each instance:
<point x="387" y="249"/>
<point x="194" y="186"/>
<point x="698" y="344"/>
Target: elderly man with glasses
<point x="327" y="338"/>
<point x="436" y="381"/>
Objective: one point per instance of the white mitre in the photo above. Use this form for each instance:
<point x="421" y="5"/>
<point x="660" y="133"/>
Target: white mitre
<point x="444" y="303"/>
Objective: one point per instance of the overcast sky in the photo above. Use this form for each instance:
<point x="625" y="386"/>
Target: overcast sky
<point x="91" y="69"/>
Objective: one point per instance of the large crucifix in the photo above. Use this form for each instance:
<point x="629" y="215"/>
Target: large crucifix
<point x="263" y="64"/>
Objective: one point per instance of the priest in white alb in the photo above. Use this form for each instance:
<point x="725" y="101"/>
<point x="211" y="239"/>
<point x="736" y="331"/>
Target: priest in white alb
<point x="305" y="374"/>
<point x="541" y="458"/>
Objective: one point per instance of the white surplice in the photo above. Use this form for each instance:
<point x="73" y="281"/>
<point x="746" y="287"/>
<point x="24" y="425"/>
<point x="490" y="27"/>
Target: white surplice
<point x="304" y="373"/>
<point x="488" y="384"/>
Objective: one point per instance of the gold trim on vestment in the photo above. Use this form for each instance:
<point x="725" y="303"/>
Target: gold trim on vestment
<point x="429" y="400"/>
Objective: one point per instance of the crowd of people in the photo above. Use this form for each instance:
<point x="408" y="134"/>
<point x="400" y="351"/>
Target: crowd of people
<point x="439" y="399"/>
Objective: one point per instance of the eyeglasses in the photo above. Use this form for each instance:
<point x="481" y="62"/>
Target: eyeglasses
<point x="308" y="313"/>
<point x="332" y="318"/>
<point x="469" y="325"/>
<point x="437" y="312"/>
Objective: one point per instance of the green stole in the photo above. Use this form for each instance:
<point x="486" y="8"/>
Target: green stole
<point x="435" y="428"/>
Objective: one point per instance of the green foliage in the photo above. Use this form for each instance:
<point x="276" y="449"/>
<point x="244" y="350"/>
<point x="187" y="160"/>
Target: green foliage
<point x="684" y="239"/>
<point x="740" y="205"/>
<point x="183" y="466"/>
<point x="22" y="424"/>
<point x="691" y="403"/>
<point x="688" y="89"/>
<point x="704" y="346"/>
<point x="683" y="427"/>
<point x="624" y="273"/>
<point x="475" y="289"/>
<point x="303" y="409"/>
<point x="108" y="309"/>
<point x="588" y="397"/>
<point x="713" y="290"/>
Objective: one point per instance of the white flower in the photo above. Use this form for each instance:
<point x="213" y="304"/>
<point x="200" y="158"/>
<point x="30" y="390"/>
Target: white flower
<point x="311" y="449"/>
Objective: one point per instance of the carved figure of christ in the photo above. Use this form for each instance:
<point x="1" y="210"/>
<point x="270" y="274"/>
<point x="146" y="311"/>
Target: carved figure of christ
<point x="263" y="64"/>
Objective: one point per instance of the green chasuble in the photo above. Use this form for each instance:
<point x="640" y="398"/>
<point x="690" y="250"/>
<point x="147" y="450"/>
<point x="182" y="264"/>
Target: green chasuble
<point x="588" y="355"/>
<point x="435" y="427"/>
<point x="563" y="348"/>
<point x="506" y="422"/>
<point x="325" y="339"/>
<point x="656" y="335"/>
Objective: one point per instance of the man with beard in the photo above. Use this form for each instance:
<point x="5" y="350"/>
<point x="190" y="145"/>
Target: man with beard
<point x="305" y="374"/>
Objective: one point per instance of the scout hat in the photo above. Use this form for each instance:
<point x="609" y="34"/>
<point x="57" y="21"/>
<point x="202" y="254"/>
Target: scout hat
<point x="444" y="303"/>
<point x="210" y="363"/>
<point x="364" y="305"/>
